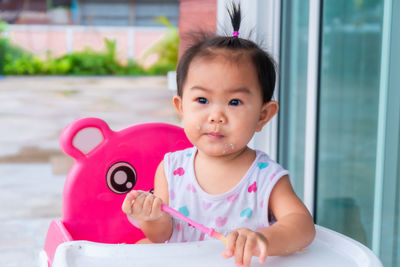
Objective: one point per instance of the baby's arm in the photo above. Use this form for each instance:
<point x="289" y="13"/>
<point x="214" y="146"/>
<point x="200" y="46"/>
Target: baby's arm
<point x="293" y="230"/>
<point x="145" y="209"/>
<point x="294" y="227"/>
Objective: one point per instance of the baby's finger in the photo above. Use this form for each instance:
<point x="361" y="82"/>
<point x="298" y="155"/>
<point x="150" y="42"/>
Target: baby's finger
<point x="148" y="204"/>
<point x="263" y="249"/>
<point x="156" y="209"/>
<point x="239" y="249"/>
<point x="248" y="251"/>
<point x="230" y="244"/>
<point x="134" y="194"/>
<point x="127" y="204"/>
<point x="137" y="206"/>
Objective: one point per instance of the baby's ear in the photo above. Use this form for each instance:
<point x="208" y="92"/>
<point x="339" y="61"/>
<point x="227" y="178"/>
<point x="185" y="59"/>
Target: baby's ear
<point x="178" y="104"/>
<point x="268" y="111"/>
<point x="83" y="136"/>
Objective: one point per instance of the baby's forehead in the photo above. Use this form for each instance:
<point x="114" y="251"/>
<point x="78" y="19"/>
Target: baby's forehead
<point x="229" y="55"/>
<point x="218" y="74"/>
<point x="229" y="61"/>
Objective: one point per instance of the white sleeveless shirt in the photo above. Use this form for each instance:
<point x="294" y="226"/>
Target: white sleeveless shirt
<point x="244" y="206"/>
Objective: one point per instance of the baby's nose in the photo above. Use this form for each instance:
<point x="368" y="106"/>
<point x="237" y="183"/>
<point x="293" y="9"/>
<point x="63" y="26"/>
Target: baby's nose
<point x="217" y="116"/>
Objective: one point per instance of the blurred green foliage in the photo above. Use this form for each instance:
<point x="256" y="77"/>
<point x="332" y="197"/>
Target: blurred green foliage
<point x="166" y="49"/>
<point x="15" y="61"/>
<point x="89" y="62"/>
<point x="9" y="52"/>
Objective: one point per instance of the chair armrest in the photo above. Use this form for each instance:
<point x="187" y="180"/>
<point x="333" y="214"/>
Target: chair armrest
<point x="56" y="235"/>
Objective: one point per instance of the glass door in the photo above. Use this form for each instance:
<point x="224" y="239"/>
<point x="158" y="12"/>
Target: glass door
<point x="350" y="65"/>
<point x="357" y="144"/>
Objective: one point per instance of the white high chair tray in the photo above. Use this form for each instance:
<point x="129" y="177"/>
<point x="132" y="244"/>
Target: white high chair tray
<point x="328" y="249"/>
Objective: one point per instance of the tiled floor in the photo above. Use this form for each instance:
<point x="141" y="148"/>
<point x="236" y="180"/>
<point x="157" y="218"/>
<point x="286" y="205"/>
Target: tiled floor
<point x="30" y="198"/>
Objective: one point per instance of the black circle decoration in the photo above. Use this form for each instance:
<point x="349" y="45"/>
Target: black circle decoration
<point x="121" y="177"/>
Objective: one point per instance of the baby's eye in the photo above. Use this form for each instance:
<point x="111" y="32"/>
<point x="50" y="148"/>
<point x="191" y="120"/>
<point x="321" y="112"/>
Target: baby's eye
<point x="202" y="100"/>
<point x="235" y="102"/>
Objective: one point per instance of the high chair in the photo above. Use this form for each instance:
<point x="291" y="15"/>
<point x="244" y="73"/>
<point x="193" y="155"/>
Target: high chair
<point x="93" y="231"/>
<point x="108" y="165"/>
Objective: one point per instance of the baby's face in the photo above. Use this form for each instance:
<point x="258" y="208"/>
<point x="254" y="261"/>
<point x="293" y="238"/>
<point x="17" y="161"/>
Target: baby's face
<point x="221" y="105"/>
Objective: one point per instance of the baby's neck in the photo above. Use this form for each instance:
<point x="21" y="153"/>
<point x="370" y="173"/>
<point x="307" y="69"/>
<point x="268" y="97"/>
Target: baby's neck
<point x="226" y="158"/>
<point x="217" y="175"/>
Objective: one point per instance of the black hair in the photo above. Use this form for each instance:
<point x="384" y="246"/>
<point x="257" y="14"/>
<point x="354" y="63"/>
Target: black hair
<point x="206" y="45"/>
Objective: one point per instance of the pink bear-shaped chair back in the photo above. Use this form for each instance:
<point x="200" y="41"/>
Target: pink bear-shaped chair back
<point x="108" y="165"/>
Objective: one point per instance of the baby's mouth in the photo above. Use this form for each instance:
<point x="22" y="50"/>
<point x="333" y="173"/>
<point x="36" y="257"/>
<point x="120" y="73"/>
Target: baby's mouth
<point x="215" y="135"/>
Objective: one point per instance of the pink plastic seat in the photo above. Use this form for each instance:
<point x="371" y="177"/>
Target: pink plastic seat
<point x="107" y="165"/>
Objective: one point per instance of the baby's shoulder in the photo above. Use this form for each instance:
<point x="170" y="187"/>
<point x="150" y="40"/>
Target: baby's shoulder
<point x="179" y="157"/>
<point x="261" y="156"/>
<point x="264" y="163"/>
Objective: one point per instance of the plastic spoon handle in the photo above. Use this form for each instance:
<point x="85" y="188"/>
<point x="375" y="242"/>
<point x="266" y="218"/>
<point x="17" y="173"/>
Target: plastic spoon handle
<point x="186" y="219"/>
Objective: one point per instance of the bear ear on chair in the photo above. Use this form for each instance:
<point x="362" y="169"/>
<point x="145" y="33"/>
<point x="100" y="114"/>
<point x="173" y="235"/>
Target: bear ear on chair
<point x="83" y="136"/>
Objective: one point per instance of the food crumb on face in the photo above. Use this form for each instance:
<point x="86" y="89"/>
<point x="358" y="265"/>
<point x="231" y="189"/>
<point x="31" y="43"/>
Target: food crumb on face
<point x="225" y="149"/>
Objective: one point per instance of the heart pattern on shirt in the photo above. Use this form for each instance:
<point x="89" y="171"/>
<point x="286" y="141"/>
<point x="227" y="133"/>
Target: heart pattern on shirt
<point x="184" y="210"/>
<point x="206" y="205"/>
<point x="261" y="165"/>
<point x="252" y="187"/>
<point x="246" y="213"/>
<point x="232" y="198"/>
<point x="202" y="235"/>
<point x="191" y="188"/>
<point x="172" y="194"/>
<point x="180" y="171"/>
<point x="221" y="221"/>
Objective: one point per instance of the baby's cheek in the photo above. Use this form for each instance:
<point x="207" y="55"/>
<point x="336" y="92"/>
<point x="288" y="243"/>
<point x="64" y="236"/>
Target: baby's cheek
<point x="191" y="133"/>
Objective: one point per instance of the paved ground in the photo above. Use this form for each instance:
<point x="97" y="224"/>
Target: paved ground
<point x="33" y="111"/>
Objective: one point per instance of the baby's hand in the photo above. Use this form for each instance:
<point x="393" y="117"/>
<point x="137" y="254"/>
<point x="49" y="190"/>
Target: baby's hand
<point x="142" y="206"/>
<point x="243" y="244"/>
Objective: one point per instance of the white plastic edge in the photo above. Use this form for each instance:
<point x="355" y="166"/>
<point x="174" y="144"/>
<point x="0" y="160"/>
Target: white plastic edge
<point x="43" y="260"/>
<point x="352" y="248"/>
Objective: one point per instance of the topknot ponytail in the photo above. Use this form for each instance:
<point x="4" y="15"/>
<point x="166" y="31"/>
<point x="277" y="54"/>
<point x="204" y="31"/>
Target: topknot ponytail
<point x="236" y="17"/>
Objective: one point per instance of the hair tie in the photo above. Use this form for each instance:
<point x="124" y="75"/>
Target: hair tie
<point x="235" y="33"/>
